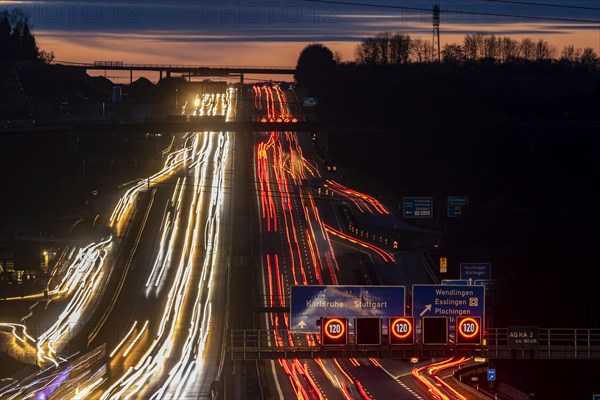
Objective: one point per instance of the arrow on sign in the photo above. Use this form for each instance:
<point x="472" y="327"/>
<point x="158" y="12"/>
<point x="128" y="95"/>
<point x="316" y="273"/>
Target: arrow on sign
<point x="427" y="308"/>
<point x="301" y="324"/>
<point x="470" y="281"/>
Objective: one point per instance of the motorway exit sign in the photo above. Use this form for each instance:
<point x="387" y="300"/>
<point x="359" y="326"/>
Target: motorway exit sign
<point x="448" y="301"/>
<point x="417" y="207"/>
<point x="457" y="206"/>
<point x="476" y="271"/>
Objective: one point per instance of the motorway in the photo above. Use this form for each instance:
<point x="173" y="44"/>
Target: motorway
<point x="141" y="312"/>
<point x="299" y="223"/>
<point x="154" y="331"/>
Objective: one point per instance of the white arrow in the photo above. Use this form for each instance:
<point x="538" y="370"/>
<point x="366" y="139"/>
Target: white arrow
<point x="427" y="308"/>
<point x="470" y="281"/>
<point x="301" y="324"/>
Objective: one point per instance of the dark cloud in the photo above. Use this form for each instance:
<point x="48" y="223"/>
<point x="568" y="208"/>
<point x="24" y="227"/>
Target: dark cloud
<point x="274" y="17"/>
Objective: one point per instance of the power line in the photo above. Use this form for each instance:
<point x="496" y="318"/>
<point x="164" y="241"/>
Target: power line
<point x="477" y="13"/>
<point x="545" y="5"/>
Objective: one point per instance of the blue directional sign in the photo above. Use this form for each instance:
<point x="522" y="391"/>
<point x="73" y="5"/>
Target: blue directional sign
<point x="457" y="206"/>
<point x="596" y="397"/>
<point x="418" y="207"/>
<point x="478" y="271"/>
<point x="311" y="303"/>
<point x="491" y="374"/>
<point x="448" y="301"/>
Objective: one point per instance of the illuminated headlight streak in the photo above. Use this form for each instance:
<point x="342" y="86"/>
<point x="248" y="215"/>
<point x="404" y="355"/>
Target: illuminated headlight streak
<point x="173" y="307"/>
<point x="14" y="331"/>
<point x="183" y="373"/>
<point x="76" y="305"/>
<point x="136" y="339"/>
<point x="112" y="353"/>
<point x="173" y="161"/>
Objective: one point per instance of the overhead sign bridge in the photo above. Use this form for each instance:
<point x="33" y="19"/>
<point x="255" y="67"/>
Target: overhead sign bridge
<point x="551" y="343"/>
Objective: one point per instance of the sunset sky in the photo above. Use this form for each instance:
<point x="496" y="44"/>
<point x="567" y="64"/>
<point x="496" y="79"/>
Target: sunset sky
<point x="273" y="32"/>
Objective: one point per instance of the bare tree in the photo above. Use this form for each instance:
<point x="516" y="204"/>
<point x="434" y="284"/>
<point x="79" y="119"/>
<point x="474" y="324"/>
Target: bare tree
<point x="589" y="57"/>
<point x="399" y="48"/>
<point x="490" y="47"/>
<point x="367" y="52"/>
<point x="46" y="56"/>
<point x="544" y="51"/>
<point x="570" y="54"/>
<point x="508" y="49"/>
<point x="382" y="40"/>
<point x="453" y="53"/>
<point x="472" y="46"/>
<point x="527" y="49"/>
<point x="337" y="57"/>
<point x="420" y="50"/>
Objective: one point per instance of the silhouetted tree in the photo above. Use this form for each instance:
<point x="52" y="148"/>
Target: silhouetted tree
<point x="337" y="57"/>
<point x="315" y="67"/>
<point x="472" y="45"/>
<point x="420" y="50"/>
<point x="527" y="49"/>
<point x="509" y="49"/>
<point x="490" y="47"/>
<point x="570" y="54"/>
<point x="382" y="41"/>
<point x="543" y="51"/>
<point x="7" y="50"/>
<point x="46" y="56"/>
<point x="589" y="57"/>
<point x="367" y="52"/>
<point x="399" y="48"/>
<point x="17" y="42"/>
<point x="453" y="53"/>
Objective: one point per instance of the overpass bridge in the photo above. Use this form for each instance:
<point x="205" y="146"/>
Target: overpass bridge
<point x="185" y="70"/>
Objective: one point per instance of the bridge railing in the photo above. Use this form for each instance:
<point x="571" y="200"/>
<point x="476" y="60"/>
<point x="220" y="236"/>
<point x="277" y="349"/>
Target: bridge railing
<point x="122" y="65"/>
<point x="553" y="343"/>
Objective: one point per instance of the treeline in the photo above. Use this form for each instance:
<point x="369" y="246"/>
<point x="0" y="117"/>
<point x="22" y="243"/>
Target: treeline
<point x="17" y="42"/>
<point x="388" y="48"/>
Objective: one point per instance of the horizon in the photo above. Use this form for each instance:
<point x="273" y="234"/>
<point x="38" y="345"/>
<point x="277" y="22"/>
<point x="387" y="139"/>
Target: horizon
<point x="274" y="33"/>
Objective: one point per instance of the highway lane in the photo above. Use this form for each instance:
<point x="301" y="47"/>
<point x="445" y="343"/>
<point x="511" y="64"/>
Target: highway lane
<point x="168" y="295"/>
<point x="162" y="320"/>
<point x="296" y="248"/>
<point x="174" y="346"/>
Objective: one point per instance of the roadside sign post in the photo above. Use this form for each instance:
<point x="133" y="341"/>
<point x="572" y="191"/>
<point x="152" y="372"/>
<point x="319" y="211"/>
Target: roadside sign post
<point x="457" y="206"/>
<point x="417" y="207"/>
